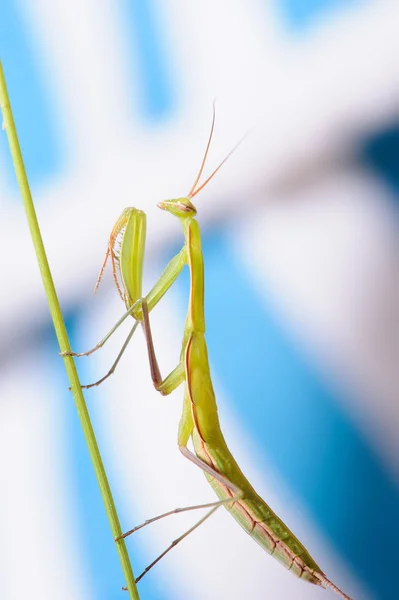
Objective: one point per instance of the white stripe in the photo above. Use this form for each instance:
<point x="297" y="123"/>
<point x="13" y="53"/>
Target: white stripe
<point x="40" y="538"/>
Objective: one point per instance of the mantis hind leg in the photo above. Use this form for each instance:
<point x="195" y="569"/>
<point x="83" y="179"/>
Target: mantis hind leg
<point x="238" y="493"/>
<point x="177" y="540"/>
<point x="186" y="427"/>
<point x="174" y="511"/>
<point x="213" y="505"/>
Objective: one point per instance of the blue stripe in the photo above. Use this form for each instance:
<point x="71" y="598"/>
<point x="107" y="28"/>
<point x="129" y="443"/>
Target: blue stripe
<point x="32" y="112"/>
<point x="101" y="563"/>
<point x="290" y="411"/>
<point x="149" y="49"/>
<point x="300" y="14"/>
<point x="381" y="153"/>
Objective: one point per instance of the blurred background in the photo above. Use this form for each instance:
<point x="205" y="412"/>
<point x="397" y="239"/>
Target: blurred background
<point x="113" y="104"/>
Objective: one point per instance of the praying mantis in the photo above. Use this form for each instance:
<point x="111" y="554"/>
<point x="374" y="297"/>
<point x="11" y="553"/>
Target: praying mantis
<point x="199" y="420"/>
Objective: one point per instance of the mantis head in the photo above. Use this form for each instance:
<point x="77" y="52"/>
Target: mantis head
<point x="180" y="207"/>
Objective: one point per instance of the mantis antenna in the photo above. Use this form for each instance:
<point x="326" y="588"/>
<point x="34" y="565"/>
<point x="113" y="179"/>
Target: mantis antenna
<point x="193" y="192"/>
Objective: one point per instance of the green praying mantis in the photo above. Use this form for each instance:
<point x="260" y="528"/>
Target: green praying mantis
<point x="199" y="420"/>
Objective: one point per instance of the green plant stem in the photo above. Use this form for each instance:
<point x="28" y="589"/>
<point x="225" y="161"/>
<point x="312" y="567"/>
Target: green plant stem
<point x="59" y="325"/>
